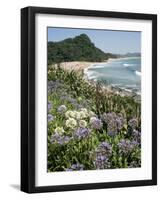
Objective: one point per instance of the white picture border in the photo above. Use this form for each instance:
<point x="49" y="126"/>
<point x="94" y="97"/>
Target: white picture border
<point x="92" y="176"/>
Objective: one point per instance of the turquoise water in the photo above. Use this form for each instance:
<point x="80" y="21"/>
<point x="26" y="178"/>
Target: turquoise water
<point x="124" y="73"/>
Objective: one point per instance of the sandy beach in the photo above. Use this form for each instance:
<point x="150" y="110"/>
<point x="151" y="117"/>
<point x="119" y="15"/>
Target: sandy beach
<point x="76" y="65"/>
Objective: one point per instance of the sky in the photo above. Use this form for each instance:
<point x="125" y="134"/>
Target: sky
<point x="118" y="42"/>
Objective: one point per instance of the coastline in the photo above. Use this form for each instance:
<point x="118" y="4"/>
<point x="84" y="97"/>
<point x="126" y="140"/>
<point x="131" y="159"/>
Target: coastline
<point x="83" y="66"/>
<point x="75" y="65"/>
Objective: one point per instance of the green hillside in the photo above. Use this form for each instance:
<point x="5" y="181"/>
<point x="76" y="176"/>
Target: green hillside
<point x="79" y="48"/>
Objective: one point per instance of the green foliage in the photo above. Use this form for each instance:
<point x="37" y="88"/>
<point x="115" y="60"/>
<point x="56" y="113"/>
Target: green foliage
<point x="79" y="48"/>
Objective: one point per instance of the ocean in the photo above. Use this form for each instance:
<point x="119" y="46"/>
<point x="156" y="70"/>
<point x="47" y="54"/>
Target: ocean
<point x="124" y="73"/>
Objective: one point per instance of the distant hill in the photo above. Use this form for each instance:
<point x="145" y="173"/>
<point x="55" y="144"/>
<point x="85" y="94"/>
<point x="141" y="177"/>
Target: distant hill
<point x="79" y="48"/>
<point x="137" y="54"/>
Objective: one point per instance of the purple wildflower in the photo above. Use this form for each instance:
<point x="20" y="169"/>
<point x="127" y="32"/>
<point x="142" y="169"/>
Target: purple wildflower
<point x="102" y="154"/>
<point x="125" y="146"/>
<point x="55" y="137"/>
<point x="120" y="121"/>
<point x="101" y="162"/>
<point x="134" y="143"/>
<point x="104" y="149"/>
<point x="135" y="164"/>
<point x="137" y="135"/>
<point x="72" y="101"/>
<point x="81" y="133"/>
<point x="64" y="97"/>
<point x="115" y="122"/>
<point x="66" y="139"/>
<point x="49" y="106"/>
<point x="78" y="106"/>
<point x="112" y="133"/>
<point x="61" y="140"/>
<point x="96" y="123"/>
<point x="62" y="109"/>
<point x="133" y="123"/>
<point x="53" y="85"/>
<point x="76" y="167"/>
<point x="50" y="117"/>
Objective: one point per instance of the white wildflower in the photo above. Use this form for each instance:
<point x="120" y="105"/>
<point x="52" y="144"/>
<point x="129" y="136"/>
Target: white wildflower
<point x="92" y="119"/>
<point x="69" y="114"/>
<point x="59" y="130"/>
<point x="83" y="115"/>
<point x="82" y="123"/>
<point x="84" y="110"/>
<point x="71" y="123"/>
<point x="77" y="115"/>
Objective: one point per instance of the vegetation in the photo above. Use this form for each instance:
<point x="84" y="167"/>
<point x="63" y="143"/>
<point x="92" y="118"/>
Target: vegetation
<point x="79" y="48"/>
<point x="87" y="127"/>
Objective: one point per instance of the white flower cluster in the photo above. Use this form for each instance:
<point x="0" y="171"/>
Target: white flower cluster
<point x="71" y="123"/>
<point x="82" y="114"/>
<point x="75" y="118"/>
<point x="82" y="123"/>
<point x="59" y="130"/>
<point x="92" y="119"/>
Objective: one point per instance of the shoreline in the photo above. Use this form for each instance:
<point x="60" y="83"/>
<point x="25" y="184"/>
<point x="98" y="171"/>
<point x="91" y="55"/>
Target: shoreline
<point x="76" y="65"/>
<point x="83" y="66"/>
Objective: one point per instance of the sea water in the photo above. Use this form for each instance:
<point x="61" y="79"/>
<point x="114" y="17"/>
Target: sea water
<point x="124" y="73"/>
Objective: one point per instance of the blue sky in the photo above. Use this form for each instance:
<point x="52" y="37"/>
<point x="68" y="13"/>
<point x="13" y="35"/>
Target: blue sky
<point x="119" y="42"/>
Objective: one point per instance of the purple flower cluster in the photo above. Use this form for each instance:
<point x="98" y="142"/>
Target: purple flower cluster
<point x="133" y="123"/>
<point x="53" y="86"/>
<point x="81" y="133"/>
<point x="67" y="97"/>
<point x="137" y="136"/>
<point x="62" y="109"/>
<point x="64" y="97"/>
<point x="101" y="162"/>
<point x="49" y="106"/>
<point x="134" y="164"/>
<point x="96" y="123"/>
<point x="104" y="149"/>
<point x="61" y="140"/>
<point x="126" y="146"/>
<point x="50" y="117"/>
<point x="103" y="152"/>
<point x="115" y="122"/>
<point x="134" y="143"/>
<point x="71" y="100"/>
<point x="76" y="167"/>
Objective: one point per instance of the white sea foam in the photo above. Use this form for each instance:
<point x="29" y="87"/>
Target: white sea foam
<point x="138" y="73"/>
<point x="89" y="74"/>
<point x="97" y="66"/>
<point x="128" y="65"/>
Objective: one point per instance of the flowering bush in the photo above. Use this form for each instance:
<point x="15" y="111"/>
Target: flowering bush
<point x="89" y="129"/>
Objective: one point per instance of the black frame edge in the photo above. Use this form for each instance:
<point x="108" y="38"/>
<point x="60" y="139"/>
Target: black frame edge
<point x="24" y="100"/>
<point x="154" y="99"/>
<point x="92" y="13"/>
<point x="28" y="99"/>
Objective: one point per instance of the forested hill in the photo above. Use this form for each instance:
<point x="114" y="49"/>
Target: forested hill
<point x="79" y="48"/>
